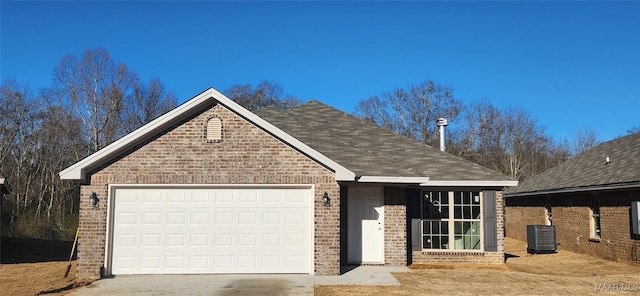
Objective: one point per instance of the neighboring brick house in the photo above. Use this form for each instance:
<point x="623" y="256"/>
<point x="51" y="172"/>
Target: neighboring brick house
<point x="4" y="189"/>
<point x="587" y="198"/>
<point x="210" y="187"/>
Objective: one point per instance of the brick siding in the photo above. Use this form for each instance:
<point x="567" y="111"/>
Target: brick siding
<point x="571" y="218"/>
<point x="181" y="155"/>
<point x="395" y="226"/>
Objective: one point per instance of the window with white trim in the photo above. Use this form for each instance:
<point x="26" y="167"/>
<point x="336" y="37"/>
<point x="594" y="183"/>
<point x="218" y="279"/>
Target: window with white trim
<point x="548" y="215"/>
<point x="594" y="211"/>
<point x="451" y="220"/>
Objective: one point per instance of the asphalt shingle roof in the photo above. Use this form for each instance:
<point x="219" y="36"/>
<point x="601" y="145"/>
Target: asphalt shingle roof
<point x="369" y="150"/>
<point x="590" y="169"/>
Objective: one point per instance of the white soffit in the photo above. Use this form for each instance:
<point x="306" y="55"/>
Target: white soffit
<point x="470" y="183"/>
<point x="387" y="179"/>
<point x="77" y="170"/>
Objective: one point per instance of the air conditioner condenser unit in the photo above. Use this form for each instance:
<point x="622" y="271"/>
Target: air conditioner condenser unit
<point x="541" y="239"/>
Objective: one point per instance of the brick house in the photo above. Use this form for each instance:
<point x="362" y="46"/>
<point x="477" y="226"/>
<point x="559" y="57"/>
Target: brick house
<point x="211" y="187"/>
<point x="587" y="198"/>
<point x="4" y="189"/>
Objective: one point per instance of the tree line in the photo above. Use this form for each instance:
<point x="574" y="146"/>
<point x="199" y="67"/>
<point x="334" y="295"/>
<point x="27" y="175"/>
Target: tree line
<point x="94" y="100"/>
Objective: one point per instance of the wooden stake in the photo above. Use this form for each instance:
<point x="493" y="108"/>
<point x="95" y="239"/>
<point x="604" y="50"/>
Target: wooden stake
<point x="73" y="249"/>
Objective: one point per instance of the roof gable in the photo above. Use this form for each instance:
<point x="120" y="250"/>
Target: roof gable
<point x="590" y="170"/>
<point x="78" y="170"/>
<point x="369" y="150"/>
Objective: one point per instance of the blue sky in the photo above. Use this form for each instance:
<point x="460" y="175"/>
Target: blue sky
<point x="572" y="65"/>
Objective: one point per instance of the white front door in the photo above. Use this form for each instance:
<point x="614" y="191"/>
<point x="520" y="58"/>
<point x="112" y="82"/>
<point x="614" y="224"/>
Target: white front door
<point x="366" y="225"/>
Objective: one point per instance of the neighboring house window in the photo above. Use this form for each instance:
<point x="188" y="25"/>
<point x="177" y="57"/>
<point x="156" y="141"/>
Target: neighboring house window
<point x="549" y="215"/>
<point x="595" y="217"/>
<point x="451" y="220"/>
<point x="214" y="130"/>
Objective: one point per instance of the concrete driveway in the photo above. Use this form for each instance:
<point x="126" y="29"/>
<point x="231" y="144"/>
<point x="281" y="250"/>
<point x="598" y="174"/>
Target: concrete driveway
<point x="200" y="285"/>
<point x="236" y="284"/>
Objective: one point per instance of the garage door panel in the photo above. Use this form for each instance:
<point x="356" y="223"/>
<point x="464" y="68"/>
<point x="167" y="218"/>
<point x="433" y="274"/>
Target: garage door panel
<point x="158" y="231"/>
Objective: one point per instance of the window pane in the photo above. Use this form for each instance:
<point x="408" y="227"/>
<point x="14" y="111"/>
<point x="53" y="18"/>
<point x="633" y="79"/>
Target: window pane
<point x="444" y="197"/>
<point x="457" y="212"/>
<point x="436" y="242"/>
<point x="445" y="212"/>
<point x="444" y="227"/>
<point x="432" y="206"/>
<point x="466" y="212"/>
<point x="475" y="212"/>
<point x="476" y="198"/>
<point x="466" y="198"/>
<point x="426" y="242"/>
<point x="426" y="227"/>
<point x="457" y="198"/>
<point x="436" y="228"/>
<point x="467" y="236"/>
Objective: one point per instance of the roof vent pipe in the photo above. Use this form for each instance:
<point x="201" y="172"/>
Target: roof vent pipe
<point x="441" y="123"/>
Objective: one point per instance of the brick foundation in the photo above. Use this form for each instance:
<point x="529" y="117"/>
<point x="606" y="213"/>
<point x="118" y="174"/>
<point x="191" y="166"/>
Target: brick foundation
<point x="427" y="257"/>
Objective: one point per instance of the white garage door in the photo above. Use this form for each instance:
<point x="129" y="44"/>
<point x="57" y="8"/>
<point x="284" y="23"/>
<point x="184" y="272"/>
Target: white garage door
<point x="234" y="230"/>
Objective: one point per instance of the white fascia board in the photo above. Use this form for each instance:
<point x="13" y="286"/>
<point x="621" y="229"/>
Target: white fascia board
<point x="77" y="170"/>
<point x="470" y="183"/>
<point x="387" y="179"/>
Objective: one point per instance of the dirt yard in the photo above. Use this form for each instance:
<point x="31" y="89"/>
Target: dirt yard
<point x="563" y="273"/>
<point x="31" y="267"/>
<point x="35" y="267"/>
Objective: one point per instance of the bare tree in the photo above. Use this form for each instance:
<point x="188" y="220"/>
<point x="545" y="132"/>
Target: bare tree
<point x="376" y="111"/>
<point x="508" y="140"/>
<point x="582" y="140"/>
<point x="265" y="94"/>
<point x="146" y="103"/>
<point x="96" y="86"/>
<point x="633" y="130"/>
<point x="473" y="136"/>
<point x="413" y="111"/>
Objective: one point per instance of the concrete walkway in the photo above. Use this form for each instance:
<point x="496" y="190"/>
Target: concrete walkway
<point x="363" y="276"/>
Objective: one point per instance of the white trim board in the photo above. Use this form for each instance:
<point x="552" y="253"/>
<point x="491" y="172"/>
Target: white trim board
<point x="470" y="183"/>
<point x="389" y="179"/>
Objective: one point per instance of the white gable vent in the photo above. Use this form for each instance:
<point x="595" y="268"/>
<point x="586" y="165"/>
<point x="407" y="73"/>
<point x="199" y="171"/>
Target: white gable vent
<point x="214" y="130"/>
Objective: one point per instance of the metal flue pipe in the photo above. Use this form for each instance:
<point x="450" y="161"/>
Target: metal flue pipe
<point x="441" y="123"/>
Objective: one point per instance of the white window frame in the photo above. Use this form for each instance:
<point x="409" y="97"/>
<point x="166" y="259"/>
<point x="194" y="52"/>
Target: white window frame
<point x="548" y="215"/>
<point x="594" y="218"/>
<point x="451" y="221"/>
